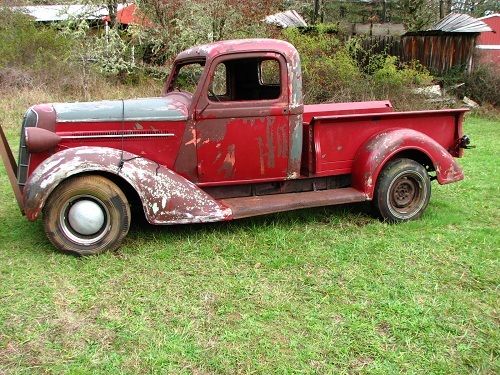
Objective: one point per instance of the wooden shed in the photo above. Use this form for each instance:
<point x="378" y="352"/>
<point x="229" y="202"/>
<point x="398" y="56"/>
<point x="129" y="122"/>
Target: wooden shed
<point x="448" y="44"/>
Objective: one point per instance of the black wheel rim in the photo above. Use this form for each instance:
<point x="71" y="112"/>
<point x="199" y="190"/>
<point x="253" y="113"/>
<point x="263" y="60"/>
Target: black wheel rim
<point x="406" y="195"/>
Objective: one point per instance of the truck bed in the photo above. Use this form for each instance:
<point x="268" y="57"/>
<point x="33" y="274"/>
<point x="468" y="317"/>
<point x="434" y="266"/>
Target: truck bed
<point x="331" y="142"/>
<point x="337" y="109"/>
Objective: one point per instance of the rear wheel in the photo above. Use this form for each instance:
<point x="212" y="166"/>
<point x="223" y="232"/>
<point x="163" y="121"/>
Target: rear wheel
<point x="86" y="215"/>
<point x="403" y="191"/>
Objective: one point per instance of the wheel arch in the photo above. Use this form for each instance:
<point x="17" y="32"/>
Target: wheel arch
<point x="419" y="156"/>
<point x="166" y="197"/>
<point x="408" y="143"/>
<point x="126" y="187"/>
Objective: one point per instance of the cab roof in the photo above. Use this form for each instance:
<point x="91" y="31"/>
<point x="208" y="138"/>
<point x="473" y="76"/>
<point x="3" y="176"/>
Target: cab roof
<point x="212" y="50"/>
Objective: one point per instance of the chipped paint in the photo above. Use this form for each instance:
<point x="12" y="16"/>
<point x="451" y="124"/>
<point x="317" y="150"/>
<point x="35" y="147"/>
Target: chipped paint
<point x="261" y="156"/>
<point x="220" y="141"/>
<point x="369" y="182"/>
<point x="270" y="143"/>
<point x="372" y="156"/>
<point x="156" y="185"/>
<point x="194" y="141"/>
<point x="295" y="145"/>
<point x="147" y="109"/>
<point x="229" y="161"/>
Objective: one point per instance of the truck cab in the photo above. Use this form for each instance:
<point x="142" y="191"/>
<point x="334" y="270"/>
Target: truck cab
<point x="242" y="104"/>
<point x="228" y="138"/>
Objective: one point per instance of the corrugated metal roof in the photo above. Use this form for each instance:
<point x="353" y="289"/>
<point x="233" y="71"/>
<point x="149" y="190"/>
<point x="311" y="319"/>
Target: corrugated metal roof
<point x="50" y="13"/>
<point x="460" y="23"/>
<point x="489" y="16"/>
<point x="289" y="18"/>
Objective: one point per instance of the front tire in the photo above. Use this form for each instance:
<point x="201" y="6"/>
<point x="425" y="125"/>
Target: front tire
<point x="86" y="215"/>
<point x="403" y="191"/>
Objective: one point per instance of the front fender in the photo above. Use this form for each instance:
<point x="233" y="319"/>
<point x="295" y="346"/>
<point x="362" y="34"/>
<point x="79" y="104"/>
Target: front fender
<point x="167" y="197"/>
<point x="374" y="154"/>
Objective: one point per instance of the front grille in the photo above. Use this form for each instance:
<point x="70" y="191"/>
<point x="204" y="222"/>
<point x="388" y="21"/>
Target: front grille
<point x="30" y="120"/>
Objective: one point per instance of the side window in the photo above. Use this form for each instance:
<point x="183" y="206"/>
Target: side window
<point x="270" y="72"/>
<point x="188" y="76"/>
<point x="245" y="79"/>
<point x="218" y="87"/>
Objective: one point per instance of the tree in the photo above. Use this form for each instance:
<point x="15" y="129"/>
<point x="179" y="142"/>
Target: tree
<point x="476" y="8"/>
<point x="176" y="25"/>
<point x="417" y="14"/>
<point x="317" y="6"/>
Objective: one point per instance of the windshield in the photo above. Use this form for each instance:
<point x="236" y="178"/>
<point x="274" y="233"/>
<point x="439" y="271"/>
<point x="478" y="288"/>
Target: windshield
<point x="187" y="76"/>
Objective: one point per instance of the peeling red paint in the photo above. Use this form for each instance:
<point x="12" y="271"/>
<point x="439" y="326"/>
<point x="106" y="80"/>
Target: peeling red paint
<point x="377" y="151"/>
<point x="242" y="149"/>
<point x="155" y="184"/>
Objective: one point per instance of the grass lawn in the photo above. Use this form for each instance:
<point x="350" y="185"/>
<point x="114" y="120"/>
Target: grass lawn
<point x="328" y="290"/>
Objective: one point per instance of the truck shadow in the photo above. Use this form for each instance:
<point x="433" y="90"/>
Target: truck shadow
<point x="357" y="214"/>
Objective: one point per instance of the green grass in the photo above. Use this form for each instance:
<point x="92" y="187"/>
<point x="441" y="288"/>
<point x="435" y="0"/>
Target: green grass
<point x="328" y="290"/>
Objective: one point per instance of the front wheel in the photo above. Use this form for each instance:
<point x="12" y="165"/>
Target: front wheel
<point x="86" y="215"/>
<point x="403" y="191"/>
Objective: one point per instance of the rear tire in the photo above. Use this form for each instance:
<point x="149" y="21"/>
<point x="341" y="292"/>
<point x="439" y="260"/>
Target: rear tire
<point x="86" y="215"/>
<point x="403" y="191"/>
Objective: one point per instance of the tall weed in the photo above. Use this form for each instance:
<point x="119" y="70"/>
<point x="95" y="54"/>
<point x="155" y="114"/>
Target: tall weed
<point x="33" y="56"/>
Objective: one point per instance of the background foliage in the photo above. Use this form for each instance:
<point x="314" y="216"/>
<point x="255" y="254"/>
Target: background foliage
<point x="80" y="56"/>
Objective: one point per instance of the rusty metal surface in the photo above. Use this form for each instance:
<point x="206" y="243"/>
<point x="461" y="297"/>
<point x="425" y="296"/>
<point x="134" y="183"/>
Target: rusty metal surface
<point x="151" y="138"/>
<point x="272" y="128"/>
<point x="10" y="167"/>
<point x="208" y="144"/>
<point x="164" y="108"/>
<point x="167" y="197"/>
<point x="338" y="109"/>
<point x="337" y="139"/>
<point x="229" y="47"/>
<point x="262" y="205"/>
<point x="460" y="23"/>
<point x="374" y="154"/>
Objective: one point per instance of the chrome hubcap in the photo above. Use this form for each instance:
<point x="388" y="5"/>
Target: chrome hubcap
<point x="84" y="220"/>
<point x="86" y="217"/>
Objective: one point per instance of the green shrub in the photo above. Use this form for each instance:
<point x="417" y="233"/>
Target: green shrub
<point x="391" y="74"/>
<point x="34" y="56"/>
<point x="483" y="85"/>
<point x="332" y="72"/>
<point x="328" y="69"/>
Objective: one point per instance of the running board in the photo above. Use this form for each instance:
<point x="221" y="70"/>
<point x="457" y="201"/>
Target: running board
<point x="267" y="204"/>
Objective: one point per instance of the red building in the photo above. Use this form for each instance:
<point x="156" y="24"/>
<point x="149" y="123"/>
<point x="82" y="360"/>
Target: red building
<point x="488" y="42"/>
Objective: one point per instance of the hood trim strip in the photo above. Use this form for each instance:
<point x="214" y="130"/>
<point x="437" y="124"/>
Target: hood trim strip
<point x="107" y="119"/>
<point x="118" y="136"/>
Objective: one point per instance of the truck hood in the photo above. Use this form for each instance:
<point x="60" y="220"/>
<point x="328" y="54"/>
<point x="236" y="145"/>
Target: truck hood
<point x="147" y="109"/>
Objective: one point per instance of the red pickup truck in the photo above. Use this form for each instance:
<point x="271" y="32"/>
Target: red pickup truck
<point x="229" y="138"/>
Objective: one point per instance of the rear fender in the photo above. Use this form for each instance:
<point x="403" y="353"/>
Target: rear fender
<point x="167" y="197"/>
<point x="378" y="150"/>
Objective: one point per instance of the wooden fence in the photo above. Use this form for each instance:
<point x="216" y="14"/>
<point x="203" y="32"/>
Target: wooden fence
<point x="438" y="52"/>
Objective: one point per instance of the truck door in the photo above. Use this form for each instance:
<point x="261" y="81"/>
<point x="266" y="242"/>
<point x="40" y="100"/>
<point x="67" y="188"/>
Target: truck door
<point x="242" y="120"/>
